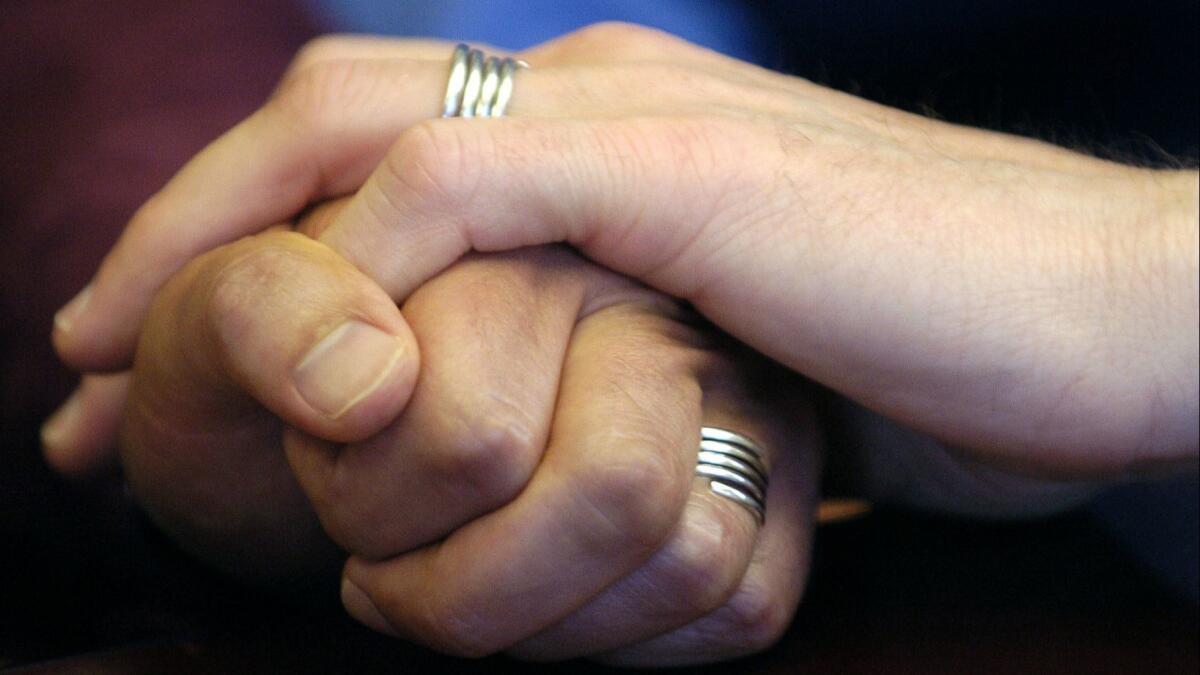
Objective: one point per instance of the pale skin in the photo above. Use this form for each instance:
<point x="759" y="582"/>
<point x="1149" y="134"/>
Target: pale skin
<point x="1033" y="307"/>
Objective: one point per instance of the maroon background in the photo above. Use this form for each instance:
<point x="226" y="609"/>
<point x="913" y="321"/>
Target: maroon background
<point x="99" y="103"/>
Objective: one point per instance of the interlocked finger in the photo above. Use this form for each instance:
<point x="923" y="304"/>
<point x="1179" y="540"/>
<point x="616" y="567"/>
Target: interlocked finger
<point x="493" y="331"/>
<point x="758" y="610"/>
<point x="722" y="566"/>
<point x="609" y="491"/>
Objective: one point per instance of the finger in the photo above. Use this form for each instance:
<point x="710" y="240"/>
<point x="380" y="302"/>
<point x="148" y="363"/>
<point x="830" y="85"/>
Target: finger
<point x="493" y="332"/>
<point x="329" y="124"/>
<point x="279" y="321"/>
<point x="319" y="217"/>
<point x="609" y="490"/>
<point x="602" y="43"/>
<point x="446" y="188"/>
<point x="273" y="326"/>
<point x="607" y="42"/>
<point x="672" y="202"/>
<point x="79" y="439"/>
<point x="759" y="611"/>
<point x="706" y="558"/>
<point x="694" y="572"/>
<point x="354" y="47"/>
<point x="318" y="137"/>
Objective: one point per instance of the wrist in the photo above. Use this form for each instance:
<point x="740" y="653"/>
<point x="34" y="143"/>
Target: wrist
<point x="1154" y="290"/>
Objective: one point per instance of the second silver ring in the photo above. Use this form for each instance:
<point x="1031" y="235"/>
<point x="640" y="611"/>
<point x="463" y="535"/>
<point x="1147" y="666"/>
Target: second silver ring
<point x="735" y="468"/>
<point x="479" y="85"/>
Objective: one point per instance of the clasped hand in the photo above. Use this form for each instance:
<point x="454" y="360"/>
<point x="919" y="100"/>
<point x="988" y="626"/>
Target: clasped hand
<point x="530" y="490"/>
<point x="508" y="455"/>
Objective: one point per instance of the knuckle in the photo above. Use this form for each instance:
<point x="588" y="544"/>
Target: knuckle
<point x="635" y="499"/>
<point x="490" y="456"/>
<point x="429" y="164"/>
<point x="613" y="31"/>
<point x="703" y="569"/>
<point x="317" y="50"/>
<point x="355" y="521"/>
<point x="626" y="39"/>
<point x="756" y="617"/>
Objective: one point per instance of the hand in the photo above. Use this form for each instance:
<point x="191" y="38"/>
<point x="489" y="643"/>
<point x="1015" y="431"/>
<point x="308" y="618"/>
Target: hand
<point x="1035" y="307"/>
<point x="547" y="447"/>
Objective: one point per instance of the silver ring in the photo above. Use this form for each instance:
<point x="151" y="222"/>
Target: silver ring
<point x="479" y="85"/>
<point x="452" y="102"/>
<point x="487" y="88"/>
<point x="504" y="85"/>
<point x="735" y="467"/>
<point x="470" y="97"/>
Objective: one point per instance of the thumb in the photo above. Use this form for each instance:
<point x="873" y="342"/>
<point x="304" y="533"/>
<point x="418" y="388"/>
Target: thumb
<point x="278" y="320"/>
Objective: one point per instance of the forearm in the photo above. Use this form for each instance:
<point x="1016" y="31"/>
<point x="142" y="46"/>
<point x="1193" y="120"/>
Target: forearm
<point x="1124" y="314"/>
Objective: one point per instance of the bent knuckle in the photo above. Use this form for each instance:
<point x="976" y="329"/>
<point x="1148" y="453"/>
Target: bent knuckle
<point x="429" y="164"/>
<point x="626" y="39"/>
<point x="357" y="520"/>
<point x="702" y="568"/>
<point x="756" y="617"/>
<point x="635" y="498"/>
<point x="317" y="50"/>
<point x="490" y="456"/>
<point x="614" y="31"/>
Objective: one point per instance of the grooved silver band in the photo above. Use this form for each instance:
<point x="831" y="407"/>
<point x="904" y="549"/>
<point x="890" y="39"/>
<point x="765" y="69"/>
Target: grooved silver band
<point x="735" y="467"/>
<point x="479" y="85"/>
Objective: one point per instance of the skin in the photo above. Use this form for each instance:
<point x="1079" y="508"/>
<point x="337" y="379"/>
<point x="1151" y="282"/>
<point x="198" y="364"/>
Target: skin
<point x="1033" y="309"/>
<point x="574" y="500"/>
<point x="790" y="215"/>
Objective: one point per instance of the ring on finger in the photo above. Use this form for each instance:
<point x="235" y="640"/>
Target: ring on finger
<point x="478" y="85"/>
<point x="735" y="467"/>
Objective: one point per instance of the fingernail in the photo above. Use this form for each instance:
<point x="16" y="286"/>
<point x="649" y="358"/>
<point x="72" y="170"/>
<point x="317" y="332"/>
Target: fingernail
<point x="359" y="606"/>
<point x="345" y="367"/>
<point x="65" y="318"/>
<point x="57" y="428"/>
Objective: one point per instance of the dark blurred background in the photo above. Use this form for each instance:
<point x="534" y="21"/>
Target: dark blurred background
<point x="100" y="102"/>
